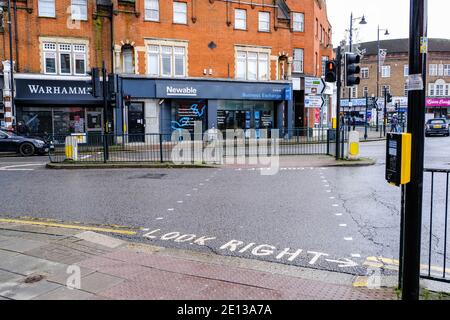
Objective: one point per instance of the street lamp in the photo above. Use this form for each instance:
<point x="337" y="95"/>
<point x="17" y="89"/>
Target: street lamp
<point x="378" y="65"/>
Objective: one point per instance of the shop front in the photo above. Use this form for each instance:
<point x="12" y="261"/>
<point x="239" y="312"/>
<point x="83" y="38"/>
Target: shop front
<point x="218" y="104"/>
<point x="57" y="107"/>
<point x="438" y="107"/>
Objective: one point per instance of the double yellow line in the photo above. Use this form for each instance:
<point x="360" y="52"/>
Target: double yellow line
<point x="69" y="226"/>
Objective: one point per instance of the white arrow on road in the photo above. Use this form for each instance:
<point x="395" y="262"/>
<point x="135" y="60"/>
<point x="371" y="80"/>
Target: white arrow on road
<point x="21" y="167"/>
<point x="346" y="263"/>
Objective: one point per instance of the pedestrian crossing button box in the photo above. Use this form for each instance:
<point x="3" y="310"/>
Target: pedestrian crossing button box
<point x="398" y="158"/>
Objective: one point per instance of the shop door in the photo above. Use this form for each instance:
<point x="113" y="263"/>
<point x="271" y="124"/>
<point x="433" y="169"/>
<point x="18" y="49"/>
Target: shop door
<point x="136" y="125"/>
<point x="94" y="127"/>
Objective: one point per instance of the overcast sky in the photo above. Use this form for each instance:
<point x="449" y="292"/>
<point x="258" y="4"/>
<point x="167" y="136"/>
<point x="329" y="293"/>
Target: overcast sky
<point x="389" y="14"/>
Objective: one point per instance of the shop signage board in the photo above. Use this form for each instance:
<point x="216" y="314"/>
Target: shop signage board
<point x="437" y="102"/>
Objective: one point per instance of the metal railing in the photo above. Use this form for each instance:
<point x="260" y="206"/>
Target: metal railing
<point x="435" y="225"/>
<point x="159" y="147"/>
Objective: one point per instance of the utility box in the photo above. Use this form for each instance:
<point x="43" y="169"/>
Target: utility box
<point x="398" y="158"/>
<point x="353" y="145"/>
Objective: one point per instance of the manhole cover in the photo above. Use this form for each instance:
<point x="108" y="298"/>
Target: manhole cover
<point x="34" y="278"/>
<point x="156" y="176"/>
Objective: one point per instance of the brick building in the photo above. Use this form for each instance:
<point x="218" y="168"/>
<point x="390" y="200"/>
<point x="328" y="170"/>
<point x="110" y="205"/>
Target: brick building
<point x="240" y="63"/>
<point x="394" y="73"/>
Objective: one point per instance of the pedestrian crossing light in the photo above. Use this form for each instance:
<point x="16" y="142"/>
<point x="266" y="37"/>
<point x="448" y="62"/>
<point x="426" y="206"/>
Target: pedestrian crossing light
<point x="94" y="85"/>
<point x="331" y="71"/>
<point x="352" y="69"/>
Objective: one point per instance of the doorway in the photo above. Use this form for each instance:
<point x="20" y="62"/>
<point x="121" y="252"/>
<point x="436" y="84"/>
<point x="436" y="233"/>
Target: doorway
<point x="136" y="122"/>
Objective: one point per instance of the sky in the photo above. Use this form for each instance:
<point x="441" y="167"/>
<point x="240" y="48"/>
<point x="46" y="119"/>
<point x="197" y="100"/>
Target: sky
<point x="389" y="14"/>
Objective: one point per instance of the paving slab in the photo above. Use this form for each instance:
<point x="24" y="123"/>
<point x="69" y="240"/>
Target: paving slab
<point x="60" y="276"/>
<point x="24" y="291"/>
<point x="4" y="254"/>
<point x="65" y="293"/>
<point x="26" y="265"/>
<point x="100" y="239"/>
<point x="20" y="245"/>
<point x="97" y="282"/>
<point x="6" y="276"/>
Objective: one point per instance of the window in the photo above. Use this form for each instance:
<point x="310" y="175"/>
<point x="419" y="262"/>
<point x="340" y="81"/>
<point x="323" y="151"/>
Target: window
<point x="127" y="58"/>
<point x="324" y="65"/>
<point x="406" y="70"/>
<point x="64" y="58"/>
<point x="406" y="91"/>
<point x="180" y="12"/>
<point x="366" y="91"/>
<point x="298" y="61"/>
<point x="298" y="22"/>
<point x="446" y="70"/>
<point x="385" y="87"/>
<point x="433" y="69"/>
<point x="354" y="92"/>
<point x="441" y="70"/>
<point x="439" y="90"/>
<point x="386" y="71"/>
<point x="264" y="21"/>
<point x="365" y="73"/>
<point x="446" y="90"/>
<point x="240" y="19"/>
<point x="151" y="10"/>
<point x="251" y="65"/>
<point x="79" y="9"/>
<point x="317" y="28"/>
<point x="166" y="60"/>
<point x="46" y="8"/>
<point x="431" y="90"/>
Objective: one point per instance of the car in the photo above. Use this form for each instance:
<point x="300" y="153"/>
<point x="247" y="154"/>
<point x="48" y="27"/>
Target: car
<point x="25" y="146"/>
<point x="437" y="126"/>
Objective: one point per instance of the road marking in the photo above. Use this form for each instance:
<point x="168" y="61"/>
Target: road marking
<point x="356" y="255"/>
<point x="332" y="198"/>
<point x="338" y="214"/>
<point x="69" y="226"/>
<point x="335" y="205"/>
<point x="348" y="239"/>
<point x="171" y="209"/>
<point x="160" y="218"/>
<point x="21" y="167"/>
<point x="180" y="201"/>
<point x="188" y="195"/>
<point x="343" y="225"/>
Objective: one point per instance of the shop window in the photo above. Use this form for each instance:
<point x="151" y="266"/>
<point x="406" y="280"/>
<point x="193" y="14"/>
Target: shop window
<point x="38" y="120"/>
<point x="46" y="8"/>
<point x="79" y="9"/>
<point x="252" y="65"/>
<point x="240" y="19"/>
<point x="298" y="22"/>
<point x="151" y="10"/>
<point x="128" y="59"/>
<point x="298" y="60"/>
<point x="233" y="114"/>
<point x="264" y="21"/>
<point x="64" y="58"/>
<point x="180" y="12"/>
<point x="187" y="113"/>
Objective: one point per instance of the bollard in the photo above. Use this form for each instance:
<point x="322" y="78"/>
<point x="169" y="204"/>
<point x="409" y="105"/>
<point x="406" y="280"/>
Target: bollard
<point x="72" y="148"/>
<point x="353" y="145"/>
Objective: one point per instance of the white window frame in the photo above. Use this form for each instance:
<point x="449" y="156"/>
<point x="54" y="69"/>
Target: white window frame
<point x="431" y="90"/>
<point x="365" y="89"/>
<point x="50" y="52"/>
<point x="53" y="47"/>
<point x="264" y="21"/>
<point x="151" y="9"/>
<point x="78" y="50"/>
<point x="354" y="92"/>
<point x="446" y="70"/>
<point x="298" y="62"/>
<point x="79" y="10"/>
<point x="47" y="4"/>
<point x="126" y="53"/>
<point x="298" y="22"/>
<point x="156" y="48"/>
<point x="179" y="10"/>
<point x="386" y="71"/>
<point x="433" y="70"/>
<point x="240" y="19"/>
<point x="406" y="70"/>
<point x="259" y="58"/>
<point x="365" y="73"/>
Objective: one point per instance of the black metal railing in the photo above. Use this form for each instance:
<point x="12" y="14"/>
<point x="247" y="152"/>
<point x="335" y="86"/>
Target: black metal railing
<point x="160" y="147"/>
<point x="435" y="225"/>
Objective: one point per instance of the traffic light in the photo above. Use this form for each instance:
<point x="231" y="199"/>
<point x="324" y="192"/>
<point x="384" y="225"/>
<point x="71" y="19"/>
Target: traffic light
<point x="352" y="69"/>
<point x="331" y="71"/>
<point x="95" y="86"/>
<point x="389" y="98"/>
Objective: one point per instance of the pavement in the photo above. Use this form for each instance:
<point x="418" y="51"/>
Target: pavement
<point x="39" y="262"/>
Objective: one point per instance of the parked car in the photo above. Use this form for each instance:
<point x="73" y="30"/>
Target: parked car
<point x="25" y="146"/>
<point x="438" y="126"/>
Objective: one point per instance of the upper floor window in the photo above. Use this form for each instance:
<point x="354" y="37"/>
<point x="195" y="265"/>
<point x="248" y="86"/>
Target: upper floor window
<point x="180" y="12"/>
<point x="64" y="58"/>
<point x="240" y="19"/>
<point x="298" y="22"/>
<point x="354" y="92"/>
<point x="264" y="21"/>
<point x="433" y="69"/>
<point x="79" y="9"/>
<point x="386" y="71"/>
<point x="151" y="10"/>
<point x="167" y="60"/>
<point x="47" y="8"/>
<point x="365" y="73"/>
<point x="447" y="70"/>
<point x="128" y="59"/>
<point x="385" y="87"/>
<point x="406" y="70"/>
<point x="324" y="65"/>
<point x="252" y="65"/>
<point x="298" y="61"/>
<point x="366" y="91"/>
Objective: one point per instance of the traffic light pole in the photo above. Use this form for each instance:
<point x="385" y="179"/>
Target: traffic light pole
<point x="385" y="118"/>
<point x="338" y="102"/>
<point x="416" y="121"/>
<point x="105" y="114"/>
<point x="366" y="116"/>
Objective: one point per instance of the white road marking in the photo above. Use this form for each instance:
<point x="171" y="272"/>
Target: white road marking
<point x="338" y="214"/>
<point x="160" y="218"/>
<point x="201" y="184"/>
<point x="328" y="191"/>
<point x="21" y="167"/>
<point x="327" y="186"/>
<point x="188" y="195"/>
<point x="348" y="239"/>
<point x="356" y="255"/>
<point x="343" y="225"/>
<point x="332" y="198"/>
<point x="180" y="201"/>
<point x="335" y="205"/>
<point x="171" y="209"/>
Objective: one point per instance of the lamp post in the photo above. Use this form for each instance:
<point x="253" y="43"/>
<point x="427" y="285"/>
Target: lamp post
<point x="378" y="66"/>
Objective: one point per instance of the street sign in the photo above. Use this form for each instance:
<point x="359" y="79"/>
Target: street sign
<point x="314" y="86"/>
<point x="313" y="101"/>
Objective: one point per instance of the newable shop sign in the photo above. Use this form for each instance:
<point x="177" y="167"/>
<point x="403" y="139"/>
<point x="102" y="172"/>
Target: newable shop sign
<point x="40" y="91"/>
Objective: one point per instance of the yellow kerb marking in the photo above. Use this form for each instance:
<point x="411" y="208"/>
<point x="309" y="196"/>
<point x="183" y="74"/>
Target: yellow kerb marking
<point x="69" y="226"/>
